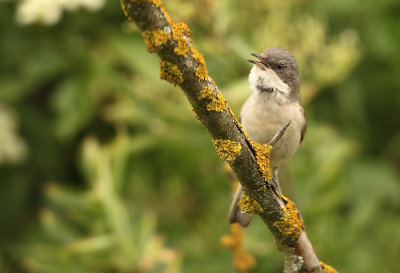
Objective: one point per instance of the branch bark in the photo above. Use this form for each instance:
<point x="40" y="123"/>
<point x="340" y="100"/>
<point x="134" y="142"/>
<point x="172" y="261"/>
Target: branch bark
<point x="182" y="65"/>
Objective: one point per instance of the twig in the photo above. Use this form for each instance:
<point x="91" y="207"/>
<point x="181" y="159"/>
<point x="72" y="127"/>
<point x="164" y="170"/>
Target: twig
<point x="279" y="134"/>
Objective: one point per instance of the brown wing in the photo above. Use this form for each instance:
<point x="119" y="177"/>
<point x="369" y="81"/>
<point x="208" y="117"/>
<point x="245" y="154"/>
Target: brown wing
<point x="304" y="129"/>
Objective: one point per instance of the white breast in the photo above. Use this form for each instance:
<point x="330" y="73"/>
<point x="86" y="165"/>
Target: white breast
<point x="266" y="78"/>
<point x="262" y="118"/>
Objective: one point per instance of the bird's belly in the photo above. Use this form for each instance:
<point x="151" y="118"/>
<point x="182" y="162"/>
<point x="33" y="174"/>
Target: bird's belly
<point x="264" y="124"/>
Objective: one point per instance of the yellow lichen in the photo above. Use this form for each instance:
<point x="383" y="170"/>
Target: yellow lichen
<point x="290" y="224"/>
<point x="327" y="268"/>
<point x="154" y="39"/>
<point x="241" y="128"/>
<point x="182" y="48"/>
<point x="170" y="72"/>
<point x="159" y="4"/>
<point x="217" y="104"/>
<point x="166" y="15"/>
<point x="242" y="260"/>
<point x="156" y="3"/>
<point x="124" y="8"/>
<point x="263" y="152"/>
<point x="201" y="71"/>
<point x="197" y="116"/>
<point x="181" y="34"/>
<point x="217" y="101"/>
<point x="230" y="111"/>
<point x="226" y="149"/>
<point x="197" y="56"/>
<point x="206" y="93"/>
<point x="249" y="205"/>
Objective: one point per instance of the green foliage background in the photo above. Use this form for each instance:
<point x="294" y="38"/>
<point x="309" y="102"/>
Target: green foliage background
<point x="104" y="169"/>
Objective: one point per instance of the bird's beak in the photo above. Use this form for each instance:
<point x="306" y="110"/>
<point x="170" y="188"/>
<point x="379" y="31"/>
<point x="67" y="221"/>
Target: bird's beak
<point x="261" y="62"/>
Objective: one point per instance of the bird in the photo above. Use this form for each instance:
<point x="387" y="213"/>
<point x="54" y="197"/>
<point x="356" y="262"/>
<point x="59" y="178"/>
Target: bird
<point x="274" y="102"/>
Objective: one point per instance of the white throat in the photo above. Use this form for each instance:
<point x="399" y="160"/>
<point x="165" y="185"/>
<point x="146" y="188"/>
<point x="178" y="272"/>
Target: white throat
<point x="267" y="79"/>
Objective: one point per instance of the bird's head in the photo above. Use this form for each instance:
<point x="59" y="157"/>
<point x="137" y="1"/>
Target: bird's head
<point x="275" y="74"/>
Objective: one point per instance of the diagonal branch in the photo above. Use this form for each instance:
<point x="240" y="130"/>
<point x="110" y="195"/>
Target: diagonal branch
<point x="181" y="64"/>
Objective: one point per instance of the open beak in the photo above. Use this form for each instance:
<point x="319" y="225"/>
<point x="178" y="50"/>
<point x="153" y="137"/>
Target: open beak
<point x="261" y="62"/>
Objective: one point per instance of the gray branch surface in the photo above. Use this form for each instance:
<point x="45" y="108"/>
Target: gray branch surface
<point x="184" y="68"/>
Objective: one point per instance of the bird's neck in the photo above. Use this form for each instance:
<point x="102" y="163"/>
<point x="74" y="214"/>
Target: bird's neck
<point x="268" y="87"/>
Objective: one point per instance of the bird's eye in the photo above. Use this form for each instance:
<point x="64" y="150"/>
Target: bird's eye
<point x="280" y="66"/>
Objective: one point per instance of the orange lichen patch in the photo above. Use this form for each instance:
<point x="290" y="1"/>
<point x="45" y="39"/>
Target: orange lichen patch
<point x="182" y="48"/>
<point x="290" y="225"/>
<point x="180" y="29"/>
<point x="206" y="93"/>
<point x="226" y="149"/>
<point x="181" y="34"/>
<point x="230" y="111"/>
<point x="154" y="39"/>
<point x="166" y="15"/>
<point x="170" y="72"/>
<point x="197" y="116"/>
<point x="201" y="71"/>
<point x="249" y="205"/>
<point x="217" y="101"/>
<point x="242" y="260"/>
<point x="217" y="104"/>
<point x="327" y="268"/>
<point x="157" y="3"/>
<point x="197" y="56"/>
<point x="263" y="152"/>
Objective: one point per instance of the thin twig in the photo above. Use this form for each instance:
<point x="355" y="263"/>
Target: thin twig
<point x="279" y="134"/>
